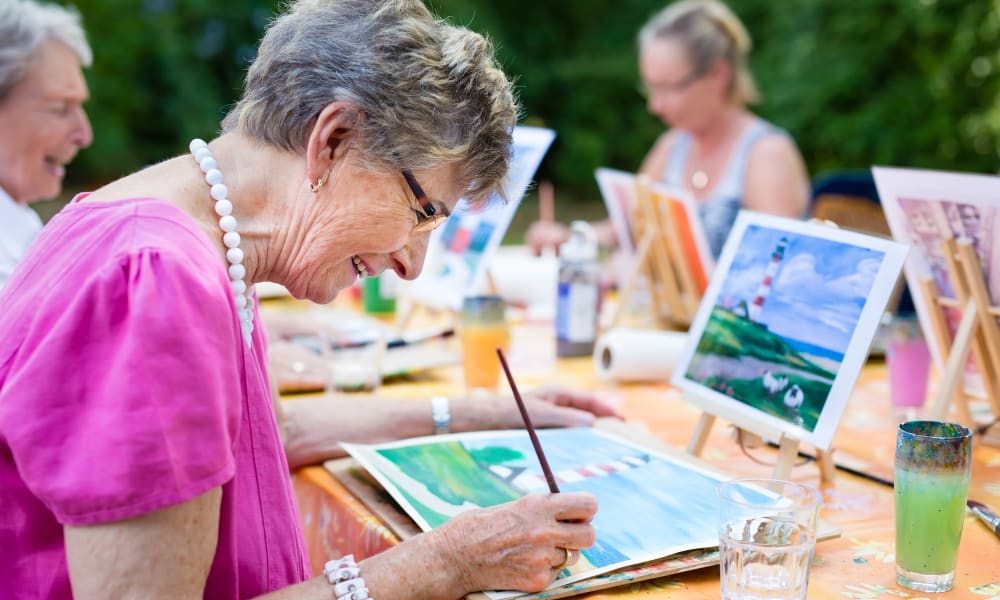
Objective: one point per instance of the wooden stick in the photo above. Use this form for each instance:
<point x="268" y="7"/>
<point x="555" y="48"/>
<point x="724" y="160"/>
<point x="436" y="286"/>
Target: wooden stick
<point x="546" y="202"/>
<point x="989" y="336"/>
<point x="788" y="451"/>
<point x="953" y="370"/>
<point x="549" y="477"/>
<point x="700" y="435"/>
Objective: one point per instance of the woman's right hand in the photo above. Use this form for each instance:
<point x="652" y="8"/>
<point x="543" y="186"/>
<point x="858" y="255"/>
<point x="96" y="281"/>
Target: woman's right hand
<point x="520" y="545"/>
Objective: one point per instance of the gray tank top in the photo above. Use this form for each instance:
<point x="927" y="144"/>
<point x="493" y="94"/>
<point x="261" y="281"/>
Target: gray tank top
<point x="718" y="210"/>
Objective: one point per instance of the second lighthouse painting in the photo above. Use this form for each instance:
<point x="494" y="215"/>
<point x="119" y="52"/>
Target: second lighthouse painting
<point x="786" y="324"/>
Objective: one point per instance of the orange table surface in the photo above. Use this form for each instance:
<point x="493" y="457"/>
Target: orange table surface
<point x="859" y="564"/>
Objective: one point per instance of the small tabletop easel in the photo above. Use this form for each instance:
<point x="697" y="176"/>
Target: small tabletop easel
<point x="661" y="259"/>
<point x="977" y="331"/>
<point x="788" y="450"/>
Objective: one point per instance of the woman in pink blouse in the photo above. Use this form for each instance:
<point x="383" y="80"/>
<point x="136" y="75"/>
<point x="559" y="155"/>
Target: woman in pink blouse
<point x="139" y="451"/>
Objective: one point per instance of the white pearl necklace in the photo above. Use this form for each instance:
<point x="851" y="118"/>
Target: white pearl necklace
<point x="227" y="222"/>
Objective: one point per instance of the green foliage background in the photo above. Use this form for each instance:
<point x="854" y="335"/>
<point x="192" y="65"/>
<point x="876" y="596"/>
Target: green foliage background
<point x="860" y="82"/>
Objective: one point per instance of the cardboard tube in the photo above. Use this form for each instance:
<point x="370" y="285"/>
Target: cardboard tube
<point x="638" y="354"/>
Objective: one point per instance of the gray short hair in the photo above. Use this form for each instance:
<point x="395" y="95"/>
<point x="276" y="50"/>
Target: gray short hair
<point x="710" y="32"/>
<point x="24" y="26"/>
<point x="431" y="93"/>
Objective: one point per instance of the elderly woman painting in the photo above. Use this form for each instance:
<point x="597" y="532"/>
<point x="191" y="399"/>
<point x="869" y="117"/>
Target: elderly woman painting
<point x="139" y="453"/>
<point x="42" y="91"/>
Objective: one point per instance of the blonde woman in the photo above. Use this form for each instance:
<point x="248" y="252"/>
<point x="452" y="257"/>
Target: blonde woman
<point x="139" y="451"/>
<point x="693" y="66"/>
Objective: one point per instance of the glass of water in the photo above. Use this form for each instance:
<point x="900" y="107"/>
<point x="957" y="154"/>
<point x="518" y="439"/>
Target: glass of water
<point x="767" y="534"/>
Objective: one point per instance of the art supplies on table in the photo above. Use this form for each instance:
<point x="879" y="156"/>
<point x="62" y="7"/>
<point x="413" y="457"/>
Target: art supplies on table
<point x="408" y="353"/>
<point x="579" y="294"/>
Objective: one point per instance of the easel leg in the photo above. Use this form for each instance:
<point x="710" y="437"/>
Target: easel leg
<point x="788" y="451"/>
<point x="824" y="460"/>
<point x="954" y="367"/>
<point x="700" y="436"/>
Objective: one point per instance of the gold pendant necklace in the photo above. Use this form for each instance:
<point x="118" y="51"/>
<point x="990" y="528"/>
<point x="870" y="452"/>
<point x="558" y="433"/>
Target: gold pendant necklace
<point x="699" y="179"/>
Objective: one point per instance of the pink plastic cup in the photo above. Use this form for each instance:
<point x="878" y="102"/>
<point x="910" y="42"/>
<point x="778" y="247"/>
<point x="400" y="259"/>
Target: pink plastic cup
<point x="909" y="362"/>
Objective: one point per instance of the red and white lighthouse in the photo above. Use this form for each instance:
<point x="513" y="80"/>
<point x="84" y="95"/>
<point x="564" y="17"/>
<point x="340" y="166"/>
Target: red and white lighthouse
<point x="765" y="286"/>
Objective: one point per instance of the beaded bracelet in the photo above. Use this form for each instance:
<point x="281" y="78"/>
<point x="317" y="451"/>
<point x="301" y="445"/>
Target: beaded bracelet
<point x="345" y="576"/>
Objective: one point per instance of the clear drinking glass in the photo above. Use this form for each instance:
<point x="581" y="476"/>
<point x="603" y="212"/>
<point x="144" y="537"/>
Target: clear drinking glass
<point x="353" y="364"/>
<point x="767" y="535"/>
<point x="931" y="485"/>
<point x="484" y="329"/>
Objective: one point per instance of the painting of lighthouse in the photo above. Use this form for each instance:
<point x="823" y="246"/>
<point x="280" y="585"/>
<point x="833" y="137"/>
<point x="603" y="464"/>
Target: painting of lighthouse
<point x="786" y="324"/>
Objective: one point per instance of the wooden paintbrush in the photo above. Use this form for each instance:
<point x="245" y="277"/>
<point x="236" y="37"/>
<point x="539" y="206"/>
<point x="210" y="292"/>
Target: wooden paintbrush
<point x="549" y="477"/>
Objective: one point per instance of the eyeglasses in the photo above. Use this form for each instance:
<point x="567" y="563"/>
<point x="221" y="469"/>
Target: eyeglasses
<point x="648" y="91"/>
<point x="428" y="218"/>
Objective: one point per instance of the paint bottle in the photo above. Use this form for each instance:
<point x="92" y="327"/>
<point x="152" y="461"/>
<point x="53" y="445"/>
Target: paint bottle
<point x="578" y="295"/>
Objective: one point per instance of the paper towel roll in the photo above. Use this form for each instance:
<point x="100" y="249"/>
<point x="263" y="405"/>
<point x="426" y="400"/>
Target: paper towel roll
<point x="638" y="354"/>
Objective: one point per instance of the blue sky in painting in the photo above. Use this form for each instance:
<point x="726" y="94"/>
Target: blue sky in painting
<point x="819" y="291"/>
<point x="642" y="510"/>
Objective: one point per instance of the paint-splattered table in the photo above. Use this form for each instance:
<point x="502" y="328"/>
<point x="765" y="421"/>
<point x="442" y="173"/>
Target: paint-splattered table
<point x="859" y="564"/>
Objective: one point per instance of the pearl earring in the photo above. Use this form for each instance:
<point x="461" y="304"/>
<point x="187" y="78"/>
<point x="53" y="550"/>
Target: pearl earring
<point x="315" y="187"/>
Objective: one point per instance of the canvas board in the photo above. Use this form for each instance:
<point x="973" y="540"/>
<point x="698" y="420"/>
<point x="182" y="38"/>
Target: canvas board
<point x="681" y="210"/>
<point x="924" y="208"/>
<point x="618" y="192"/>
<point x="652" y="504"/>
<point x="459" y="252"/>
<point x="789" y="367"/>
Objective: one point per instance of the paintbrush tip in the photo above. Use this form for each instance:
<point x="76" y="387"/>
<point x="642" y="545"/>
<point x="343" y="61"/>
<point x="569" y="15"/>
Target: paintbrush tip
<point x="973" y="504"/>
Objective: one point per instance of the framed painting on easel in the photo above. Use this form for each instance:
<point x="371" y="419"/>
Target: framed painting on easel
<point x="952" y="222"/>
<point x="659" y="229"/>
<point x="785" y="326"/>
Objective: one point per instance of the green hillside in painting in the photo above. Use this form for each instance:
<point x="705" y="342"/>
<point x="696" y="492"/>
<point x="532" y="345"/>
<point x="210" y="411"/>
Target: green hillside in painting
<point x="727" y="334"/>
<point x="733" y="355"/>
<point x="450" y="472"/>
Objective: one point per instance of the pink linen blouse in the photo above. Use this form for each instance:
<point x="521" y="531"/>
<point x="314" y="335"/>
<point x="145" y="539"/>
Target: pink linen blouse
<point x="126" y="387"/>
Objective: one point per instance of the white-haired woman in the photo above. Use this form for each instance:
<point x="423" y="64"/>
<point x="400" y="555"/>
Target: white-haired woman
<point x="42" y="91"/>
<point x="139" y="453"/>
<point x="693" y="66"/>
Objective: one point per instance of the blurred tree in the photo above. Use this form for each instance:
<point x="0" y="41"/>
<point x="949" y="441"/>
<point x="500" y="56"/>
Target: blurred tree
<point x="902" y="82"/>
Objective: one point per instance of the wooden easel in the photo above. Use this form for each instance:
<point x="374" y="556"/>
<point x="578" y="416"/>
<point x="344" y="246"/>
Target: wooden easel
<point x="788" y="450"/>
<point x="977" y="331"/>
<point x="660" y="258"/>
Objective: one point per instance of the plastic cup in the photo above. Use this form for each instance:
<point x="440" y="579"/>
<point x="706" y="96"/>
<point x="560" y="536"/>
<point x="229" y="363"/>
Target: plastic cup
<point x="909" y="361"/>
<point x="767" y="535"/>
<point x="931" y="485"/>
<point x="484" y="329"/>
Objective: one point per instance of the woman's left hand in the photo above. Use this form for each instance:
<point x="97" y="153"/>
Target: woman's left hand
<point x="548" y="406"/>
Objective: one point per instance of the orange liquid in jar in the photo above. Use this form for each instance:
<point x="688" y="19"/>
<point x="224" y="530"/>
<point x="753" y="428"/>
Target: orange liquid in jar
<point x="479" y="353"/>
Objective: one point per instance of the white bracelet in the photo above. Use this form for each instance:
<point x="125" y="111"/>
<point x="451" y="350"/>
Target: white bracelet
<point x="440" y="414"/>
<point x="345" y="576"/>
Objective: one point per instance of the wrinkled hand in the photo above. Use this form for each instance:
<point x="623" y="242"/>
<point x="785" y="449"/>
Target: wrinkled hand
<point x="548" y="406"/>
<point x="518" y="545"/>
<point x="545" y="234"/>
